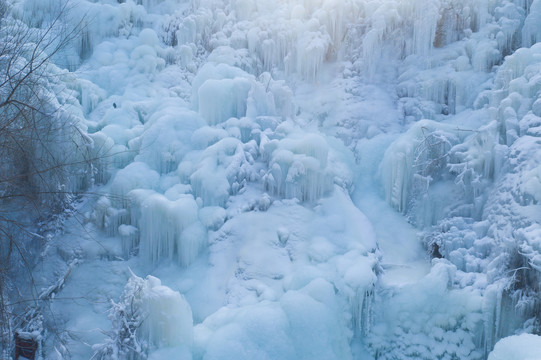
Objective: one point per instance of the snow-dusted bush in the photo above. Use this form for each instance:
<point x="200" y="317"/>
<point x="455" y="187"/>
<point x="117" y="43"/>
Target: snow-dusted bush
<point x="42" y="138"/>
<point x="413" y="163"/>
<point x="148" y="315"/>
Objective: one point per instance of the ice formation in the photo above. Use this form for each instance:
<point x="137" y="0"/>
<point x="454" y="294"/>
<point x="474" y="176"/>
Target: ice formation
<point x="232" y="144"/>
<point x="168" y="317"/>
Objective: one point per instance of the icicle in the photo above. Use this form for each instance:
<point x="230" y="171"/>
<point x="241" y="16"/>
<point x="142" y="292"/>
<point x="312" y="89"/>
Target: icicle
<point x="531" y="31"/>
<point x="167" y="229"/>
<point x="220" y="100"/>
<point x="298" y="168"/>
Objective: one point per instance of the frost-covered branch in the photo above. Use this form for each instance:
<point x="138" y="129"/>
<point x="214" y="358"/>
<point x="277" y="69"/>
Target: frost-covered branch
<point x="39" y="155"/>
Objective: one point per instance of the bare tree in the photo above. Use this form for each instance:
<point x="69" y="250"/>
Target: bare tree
<point x="43" y="158"/>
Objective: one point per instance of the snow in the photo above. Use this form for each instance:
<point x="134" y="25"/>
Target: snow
<point x="295" y="327"/>
<point x="524" y="347"/>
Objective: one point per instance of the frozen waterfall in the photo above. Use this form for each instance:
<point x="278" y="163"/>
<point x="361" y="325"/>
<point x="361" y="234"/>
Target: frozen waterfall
<point x="295" y="179"/>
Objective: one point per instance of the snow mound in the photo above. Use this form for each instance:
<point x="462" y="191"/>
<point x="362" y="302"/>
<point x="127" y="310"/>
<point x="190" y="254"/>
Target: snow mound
<point x="518" y="347"/>
<point x="168" y="320"/>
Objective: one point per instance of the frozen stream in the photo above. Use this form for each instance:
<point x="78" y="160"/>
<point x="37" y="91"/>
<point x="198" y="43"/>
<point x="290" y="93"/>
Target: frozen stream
<point x="404" y="260"/>
<point x="339" y="112"/>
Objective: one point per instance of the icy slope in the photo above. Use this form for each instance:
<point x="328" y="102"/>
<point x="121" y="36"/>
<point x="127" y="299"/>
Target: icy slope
<point x="264" y="158"/>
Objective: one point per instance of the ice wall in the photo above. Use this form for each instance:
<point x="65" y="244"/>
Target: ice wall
<point x="487" y="221"/>
<point x="472" y="161"/>
<point x="449" y="81"/>
<point x="444" y="60"/>
<point x="240" y="131"/>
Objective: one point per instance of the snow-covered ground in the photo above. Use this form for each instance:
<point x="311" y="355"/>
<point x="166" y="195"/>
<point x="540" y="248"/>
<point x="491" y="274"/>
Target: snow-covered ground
<point x="300" y="179"/>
